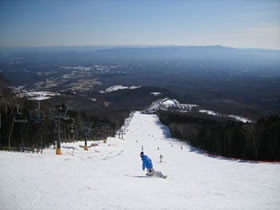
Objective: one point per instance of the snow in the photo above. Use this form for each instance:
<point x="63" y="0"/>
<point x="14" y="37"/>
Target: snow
<point x="167" y="103"/>
<point x="109" y="176"/>
<point x="172" y="104"/>
<point x="38" y="95"/>
<point x="118" y="87"/>
<point x="39" y="98"/>
<point x="81" y="68"/>
<point x="236" y="117"/>
<point x="209" y="112"/>
<point x="156" y="93"/>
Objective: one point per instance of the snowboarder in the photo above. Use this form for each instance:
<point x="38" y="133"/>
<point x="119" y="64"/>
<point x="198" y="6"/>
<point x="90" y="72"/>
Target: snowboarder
<point x="147" y="163"/>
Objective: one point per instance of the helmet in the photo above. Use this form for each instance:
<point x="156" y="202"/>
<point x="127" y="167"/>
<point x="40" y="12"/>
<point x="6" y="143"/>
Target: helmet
<point x="141" y="153"/>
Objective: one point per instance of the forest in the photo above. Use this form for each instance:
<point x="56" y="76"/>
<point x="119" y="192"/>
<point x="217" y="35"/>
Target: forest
<point x="26" y="125"/>
<point x="248" y="141"/>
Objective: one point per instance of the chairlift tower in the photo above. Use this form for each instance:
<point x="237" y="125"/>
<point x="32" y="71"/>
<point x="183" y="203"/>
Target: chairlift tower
<point x="86" y="134"/>
<point x="86" y="127"/>
<point x="59" y="114"/>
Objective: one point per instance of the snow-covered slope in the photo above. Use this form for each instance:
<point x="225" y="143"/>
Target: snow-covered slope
<point x="109" y="176"/>
<point x="235" y="117"/>
<point x="169" y="104"/>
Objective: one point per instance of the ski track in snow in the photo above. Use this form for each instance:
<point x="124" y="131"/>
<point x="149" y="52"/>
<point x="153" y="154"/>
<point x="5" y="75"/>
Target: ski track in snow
<point x="110" y="176"/>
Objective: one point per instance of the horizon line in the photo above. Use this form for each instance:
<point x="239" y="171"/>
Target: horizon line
<point x="131" y="45"/>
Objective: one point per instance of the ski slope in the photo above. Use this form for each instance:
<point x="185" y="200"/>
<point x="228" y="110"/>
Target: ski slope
<point x="110" y="176"/>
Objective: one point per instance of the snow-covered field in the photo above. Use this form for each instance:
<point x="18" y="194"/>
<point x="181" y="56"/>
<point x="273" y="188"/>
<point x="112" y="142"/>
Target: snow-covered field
<point x="109" y="176"/>
<point x="119" y="87"/>
<point x="38" y="95"/>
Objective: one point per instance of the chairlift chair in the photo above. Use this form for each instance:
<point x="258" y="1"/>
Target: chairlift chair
<point x="37" y="119"/>
<point x="20" y="117"/>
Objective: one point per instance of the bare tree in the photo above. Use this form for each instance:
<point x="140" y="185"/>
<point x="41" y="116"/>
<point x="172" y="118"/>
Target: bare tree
<point x="9" y="105"/>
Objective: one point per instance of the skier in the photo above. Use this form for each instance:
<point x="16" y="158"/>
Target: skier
<point x="147" y="163"/>
<point x="160" y="158"/>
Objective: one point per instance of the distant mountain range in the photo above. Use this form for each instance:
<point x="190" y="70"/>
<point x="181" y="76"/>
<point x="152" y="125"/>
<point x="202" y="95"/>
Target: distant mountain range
<point x="192" y="53"/>
<point x="206" y="55"/>
<point x="155" y="51"/>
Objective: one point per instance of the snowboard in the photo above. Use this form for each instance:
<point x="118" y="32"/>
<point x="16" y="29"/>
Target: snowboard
<point x="157" y="174"/>
<point x="149" y="176"/>
<point x="163" y="176"/>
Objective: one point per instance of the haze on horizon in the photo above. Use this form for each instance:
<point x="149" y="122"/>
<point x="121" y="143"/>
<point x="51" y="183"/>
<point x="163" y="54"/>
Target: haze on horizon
<point x="233" y="23"/>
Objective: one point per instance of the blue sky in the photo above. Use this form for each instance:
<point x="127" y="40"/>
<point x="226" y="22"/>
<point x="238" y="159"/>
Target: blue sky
<point x="234" y="23"/>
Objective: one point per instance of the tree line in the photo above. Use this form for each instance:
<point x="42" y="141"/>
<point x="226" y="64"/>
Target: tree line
<point x="249" y="141"/>
<point x="28" y="124"/>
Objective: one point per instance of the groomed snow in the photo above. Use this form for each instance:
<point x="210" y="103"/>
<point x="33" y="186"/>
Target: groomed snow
<point x="109" y="176"/>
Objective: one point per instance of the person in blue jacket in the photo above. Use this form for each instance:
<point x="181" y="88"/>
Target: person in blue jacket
<point x="147" y="163"/>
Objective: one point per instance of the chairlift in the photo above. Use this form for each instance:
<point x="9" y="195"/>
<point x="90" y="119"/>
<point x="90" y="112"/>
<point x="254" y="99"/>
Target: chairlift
<point x="37" y="119"/>
<point x="20" y="118"/>
<point x="35" y="116"/>
<point x="59" y="113"/>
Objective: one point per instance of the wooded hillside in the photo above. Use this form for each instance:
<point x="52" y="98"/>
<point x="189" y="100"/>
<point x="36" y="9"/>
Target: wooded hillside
<point x="250" y="141"/>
